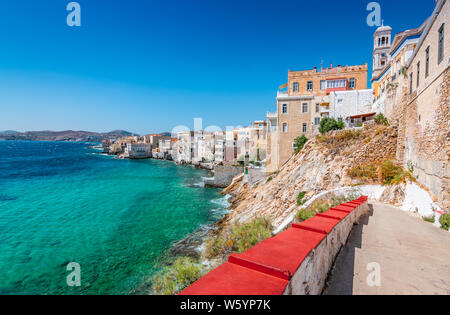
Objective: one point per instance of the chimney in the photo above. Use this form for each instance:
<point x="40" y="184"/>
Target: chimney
<point x="331" y="66"/>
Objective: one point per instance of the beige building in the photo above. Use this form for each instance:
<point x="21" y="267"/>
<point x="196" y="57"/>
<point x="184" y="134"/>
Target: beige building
<point x="424" y="121"/>
<point x="302" y="102"/>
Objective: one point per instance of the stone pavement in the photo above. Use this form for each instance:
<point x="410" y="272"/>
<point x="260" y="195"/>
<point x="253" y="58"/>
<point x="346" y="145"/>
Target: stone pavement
<point x="413" y="256"/>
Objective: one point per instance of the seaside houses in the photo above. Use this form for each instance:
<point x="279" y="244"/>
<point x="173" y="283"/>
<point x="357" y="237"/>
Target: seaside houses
<point x="302" y="102"/>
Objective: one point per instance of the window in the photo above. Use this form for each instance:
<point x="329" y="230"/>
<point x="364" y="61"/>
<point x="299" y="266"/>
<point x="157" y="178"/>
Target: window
<point x="427" y="62"/>
<point x="317" y="108"/>
<point x="336" y="84"/>
<point x="304" y="128"/>
<point x="309" y="86"/>
<point x="352" y="83"/>
<point x="285" y="109"/>
<point x="410" y="83"/>
<point x="317" y="121"/>
<point x="323" y="85"/>
<point x="285" y="127"/>
<point x="304" y="107"/>
<point x="441" y="44"/>
<point x="295" y="87"/>
<point x="418" y="74"/>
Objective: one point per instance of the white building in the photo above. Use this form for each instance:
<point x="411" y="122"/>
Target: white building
<point x="138" y="150"/>
<point x="348" y="106"/>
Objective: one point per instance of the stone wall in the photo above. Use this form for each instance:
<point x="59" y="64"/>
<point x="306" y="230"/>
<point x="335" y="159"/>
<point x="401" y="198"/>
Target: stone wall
<point x="223" y="176"/>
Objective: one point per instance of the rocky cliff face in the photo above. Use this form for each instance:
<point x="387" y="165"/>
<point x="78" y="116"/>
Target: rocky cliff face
<point x="322" y="165"/>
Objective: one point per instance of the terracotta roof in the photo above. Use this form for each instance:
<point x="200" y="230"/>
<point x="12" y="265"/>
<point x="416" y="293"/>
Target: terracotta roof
<point x="361" y="116"/>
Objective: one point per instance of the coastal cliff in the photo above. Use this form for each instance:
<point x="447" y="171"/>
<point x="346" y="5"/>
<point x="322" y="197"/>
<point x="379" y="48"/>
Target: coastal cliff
<point x="322" y="165"/>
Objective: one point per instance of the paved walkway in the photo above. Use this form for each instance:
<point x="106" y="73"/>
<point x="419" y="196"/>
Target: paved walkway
<point x="413" y="256"/>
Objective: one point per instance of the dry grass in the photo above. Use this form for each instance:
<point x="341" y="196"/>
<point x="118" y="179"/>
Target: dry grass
<point x="386" y="173"/>
<point x="365" y="172"/>
<point x="339" y="138"/>
<point x="238" y="238"/>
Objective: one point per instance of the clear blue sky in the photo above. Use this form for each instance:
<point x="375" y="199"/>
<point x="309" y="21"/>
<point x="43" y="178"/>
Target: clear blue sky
<point x="147" y="66"/>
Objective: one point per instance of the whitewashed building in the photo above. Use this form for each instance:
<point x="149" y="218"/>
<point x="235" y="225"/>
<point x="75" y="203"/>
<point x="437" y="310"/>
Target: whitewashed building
<point x="138" y="150"/>
<point x="353" y="106"/>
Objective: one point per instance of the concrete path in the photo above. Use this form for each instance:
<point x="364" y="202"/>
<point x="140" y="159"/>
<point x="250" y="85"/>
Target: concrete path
<point x="413" y="256"/>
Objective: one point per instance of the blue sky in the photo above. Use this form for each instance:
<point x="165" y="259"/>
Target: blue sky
<point x="147" y="66"/>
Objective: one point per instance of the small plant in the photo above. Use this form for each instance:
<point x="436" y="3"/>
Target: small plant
<point x="410" y="166"/>
<point x="381" y="120"/>
<point x="300" y="197"/>
<point x="269" y="179"/>
<point x="360" y="125"/>
<point x="444" y="220"/>
<point x="430" y="219"/>
<point x="173" y="279"/>
<point x="300" y="143"/>
<point x="340" y="125"/>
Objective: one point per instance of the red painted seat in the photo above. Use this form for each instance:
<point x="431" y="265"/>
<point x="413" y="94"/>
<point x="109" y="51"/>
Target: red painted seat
<point x="232" y="279"/>
<point x="317" y="224"/>
<point x="343" y="209"/>
<point x="281" y="255"/>
<point x="333" y="214"/>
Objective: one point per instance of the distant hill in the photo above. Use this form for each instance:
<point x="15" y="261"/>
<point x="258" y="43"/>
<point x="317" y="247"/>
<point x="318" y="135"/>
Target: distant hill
<point x="8" y="132"/>
<point x="68" y="135"/>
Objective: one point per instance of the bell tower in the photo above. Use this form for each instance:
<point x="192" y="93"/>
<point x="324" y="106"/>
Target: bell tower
<point x="381" y="48"/>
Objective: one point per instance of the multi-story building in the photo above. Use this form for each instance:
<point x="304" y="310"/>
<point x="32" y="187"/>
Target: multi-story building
<point x="183" y="147"/>
<point x="303" y="101"/>
<point x="390" y="61"/>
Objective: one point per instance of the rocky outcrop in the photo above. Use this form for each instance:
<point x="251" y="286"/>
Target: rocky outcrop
<point x="322" y="165"/>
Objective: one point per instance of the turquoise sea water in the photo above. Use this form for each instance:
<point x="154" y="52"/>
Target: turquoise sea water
<point x="61" y="203"/>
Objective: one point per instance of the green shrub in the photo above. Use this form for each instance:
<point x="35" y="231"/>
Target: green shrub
<point x="328" y="124"/>
<point x="300" y="143"/>
<point x="269" y="179"/>
<point x="381" y="120"/>
<point x="300" y="197"/>
<point x="239" y="237"/>
<point x="340" y="125"/>
<point x="304" y="214"/>
<point x="444" y="220"/>
<point x="173" y="279"/>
